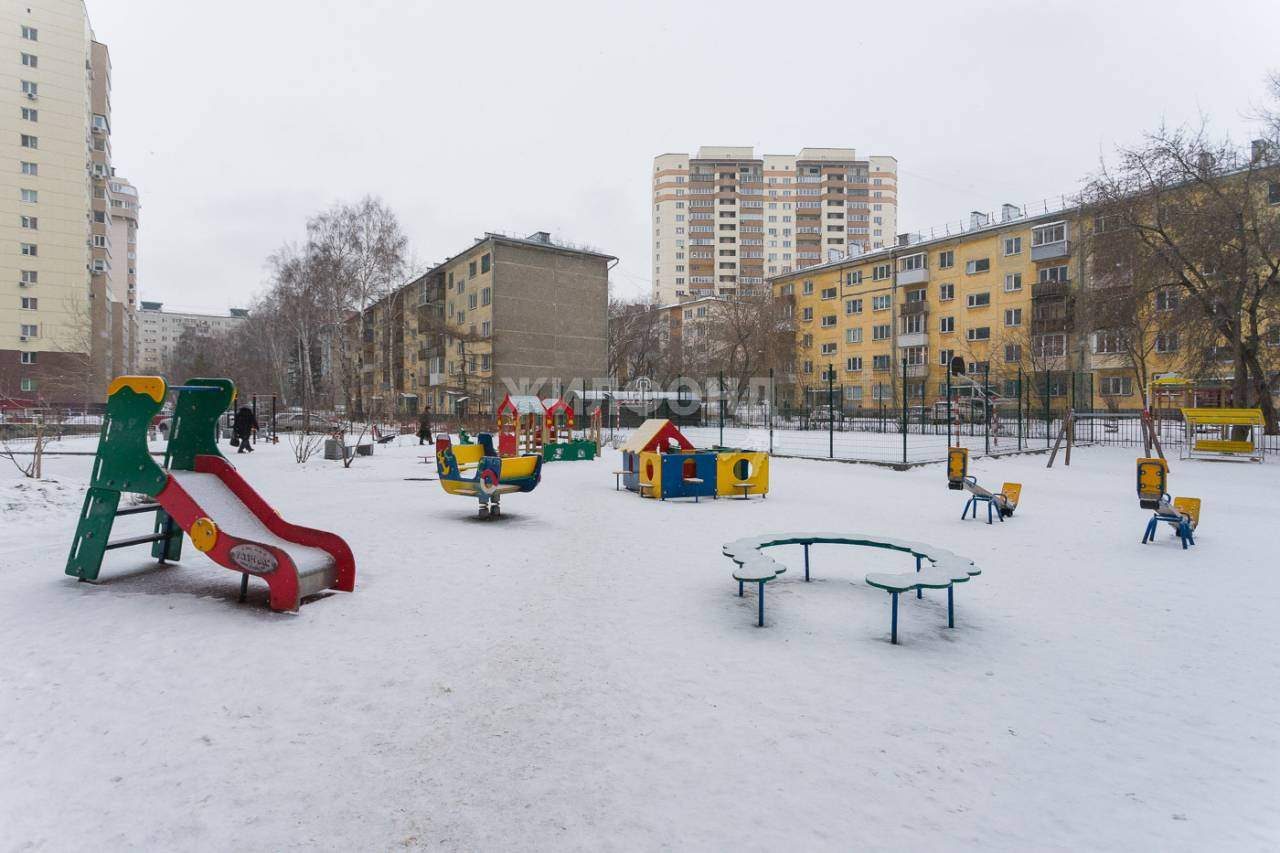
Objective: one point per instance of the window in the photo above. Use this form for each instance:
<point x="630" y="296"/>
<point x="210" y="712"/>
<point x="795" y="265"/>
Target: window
<point x="30" y="87"/>
<point x="486" y="296"/>
<point x="944" y="358"/>
<point x="854" y="277"/>
<point x="979" y="300"/>
<point x="473" y="300"/>
<point x="913" y="324"/>
<point x="1166" y="299"/>
<point x="912" y="262"/>
<point x="30" y="60"/>
<point x="853" y="336"/>
<point x="30" y="169"/>
<point x="29" y="330"/>
<point x="1013" y="316"/>
<point x="882" y="303"/>
<point x="980" y="333"/>
<point x="977" y="266"/>
<point x="1012" y="353"/>
<point x="829" y="349"/>
<point x="881" y="332"/>
<point x="1046" y="234"/>
<point x="29" y="141"/>
<point x="828" y="293"/>
<point x="28" y="384"/>
<point x="807" y="367"/>
<point x="30" y="250"/>
<point x="946" y="324"/>
<point x="27" y="358"/>
<point x="807" y="287"/>
<point x="30" y="33"/>
<point x="29" y="303"/>
<point x="30" y="277"/>
<point x="1058" y="274"/>
<point x="30" y="222"/>
<point x="1167" y="342"/>
<point x="853" y="364"/>
<point x="30" y="196"/>
<point x="946" y="292"/>
<point x="1012" y="246"/>
<point x="806" y="314"/>
<point x="471" y="270"/>
<point x="946" y="259"/>
<point x="1273" y="192"/>
<point x="1049" y="346"/>
<point x="828" y="321"/>
<point x="1012" y="282"/>
<point x="1108" y="343"/>
<point x="484" y="361"/>
<point x="1116" y="386"/>
<point x="880" y="272"/>
<point x="30" y="114"/>
<point x="880" y="362"/>
<point x="853" y="306"/>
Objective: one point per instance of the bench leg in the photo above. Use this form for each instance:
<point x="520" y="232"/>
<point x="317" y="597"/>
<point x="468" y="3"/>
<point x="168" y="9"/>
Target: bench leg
<point x="760" y="623"/>
<point x="739" y="589"/>
<point x="806" y="563"/>
<point x="951" y="607"/>
<point x="893" y="624"/>
<point x="244" y="586"/>
<point x="919" y="591"/>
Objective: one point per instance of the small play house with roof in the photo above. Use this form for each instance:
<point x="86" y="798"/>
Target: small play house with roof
<point x="658" y="461"/>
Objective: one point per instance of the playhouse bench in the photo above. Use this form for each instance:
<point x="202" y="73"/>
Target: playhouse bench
<point x="946" y="569"/>
<point x="1217" y="445"/>
<point x="746" y="490"/>
<point x="617" y="480"/>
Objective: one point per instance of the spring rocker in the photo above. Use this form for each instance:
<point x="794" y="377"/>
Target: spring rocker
<point x="1004" y="501"/>
<point x="494" y="476"/>
<point x="1182" y="514"/>
<point x="197" y="492"/>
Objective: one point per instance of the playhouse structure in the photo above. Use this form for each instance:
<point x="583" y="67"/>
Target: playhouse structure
<point x="529" y="424"/>
<point x="1215" y="433"/>
<point x="494" y="475"/>
<point x="659" y="462"/>
<point x="198" y="492"/>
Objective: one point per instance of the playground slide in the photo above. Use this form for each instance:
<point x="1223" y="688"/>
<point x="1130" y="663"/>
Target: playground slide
<point x="237" y="529"/>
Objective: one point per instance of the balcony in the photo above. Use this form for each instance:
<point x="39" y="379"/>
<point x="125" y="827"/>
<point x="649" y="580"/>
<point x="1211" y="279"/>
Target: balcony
<point x="1051" y="251"/>
<point x="915" y="276"/>
<point x="910" y="309"/>
<point x="917" y="371"/>
<point x="1050" y="289"/>
<point x="1108" y="361"/>
<point x="435" y="379"/>
<point x="1049" y="325"/>
<point x="913" y="339"/>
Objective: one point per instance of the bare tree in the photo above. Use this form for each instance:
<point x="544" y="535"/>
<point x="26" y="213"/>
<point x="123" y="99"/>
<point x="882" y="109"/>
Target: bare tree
<point x="636" y="341"/>
<point x="1195" y="213"/>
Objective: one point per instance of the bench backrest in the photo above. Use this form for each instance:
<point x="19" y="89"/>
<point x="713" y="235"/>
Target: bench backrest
<point x="957" y="467"/>
<point x="1153" y="482"/>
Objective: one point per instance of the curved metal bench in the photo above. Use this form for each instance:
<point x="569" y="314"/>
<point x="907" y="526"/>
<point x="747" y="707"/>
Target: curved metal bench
<point x="944" y="572"/>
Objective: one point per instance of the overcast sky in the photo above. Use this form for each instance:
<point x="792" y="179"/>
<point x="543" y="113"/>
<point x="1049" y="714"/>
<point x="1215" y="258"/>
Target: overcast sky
<point x="239" y="121"/>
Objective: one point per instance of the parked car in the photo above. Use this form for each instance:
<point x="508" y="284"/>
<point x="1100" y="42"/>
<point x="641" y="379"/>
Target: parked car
<point x="826" y="414"/>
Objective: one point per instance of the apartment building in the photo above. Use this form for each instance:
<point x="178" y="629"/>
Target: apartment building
<point x="507" y="312"/>
<point x="159" y="331"/>
<point x="122" y="280"/>
<point x="1000" y="295"/>
<point x="725" y="220"/>
<point x="63" y="326"/>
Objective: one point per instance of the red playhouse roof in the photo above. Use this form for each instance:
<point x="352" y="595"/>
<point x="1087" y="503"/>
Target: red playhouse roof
<point x="656" y="433"/>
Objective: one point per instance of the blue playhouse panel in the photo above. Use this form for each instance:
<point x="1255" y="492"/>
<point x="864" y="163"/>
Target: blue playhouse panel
<point x="631" y="464"/>
<point x="673" y="474"/>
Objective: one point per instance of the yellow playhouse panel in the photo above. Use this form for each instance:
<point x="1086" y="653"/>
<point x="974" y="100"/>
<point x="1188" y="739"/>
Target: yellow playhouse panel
<point x="733" y="468"/>
<point x="651" y="474"/>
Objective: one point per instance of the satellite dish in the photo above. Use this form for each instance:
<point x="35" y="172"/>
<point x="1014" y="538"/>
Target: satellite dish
<point x="957" y="366"/>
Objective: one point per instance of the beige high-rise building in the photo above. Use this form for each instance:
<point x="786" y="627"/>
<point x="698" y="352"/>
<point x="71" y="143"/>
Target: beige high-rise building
<point x="122" y="282"/>
<point x="62" y="316"/>
<point x="724" y="220"/>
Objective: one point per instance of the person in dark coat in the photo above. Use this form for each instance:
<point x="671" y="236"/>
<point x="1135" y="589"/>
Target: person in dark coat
<point x="243" y="427"/>
<point x="424" y="427"/>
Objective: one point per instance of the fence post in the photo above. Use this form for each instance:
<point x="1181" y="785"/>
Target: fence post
<point x="1019" y="405"/>
<point x="986" y="407"/>
<point x="904" y="411"/>
<point x="721" y="385"/>
<point x="1047" y="413"/>
<point x="831" y="412"/>
<point x="773" y="401"/>
<point x="949" y="408"/>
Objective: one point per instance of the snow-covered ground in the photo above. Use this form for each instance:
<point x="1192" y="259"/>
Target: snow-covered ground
<point x="581" y="675"/>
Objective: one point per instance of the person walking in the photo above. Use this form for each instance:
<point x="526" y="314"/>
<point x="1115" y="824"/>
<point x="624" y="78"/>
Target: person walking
<point x="242" y="427"/>
<point x="424" y="427"/>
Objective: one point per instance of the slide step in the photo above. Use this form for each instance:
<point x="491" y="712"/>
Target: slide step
<point x="137" y="540"/>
